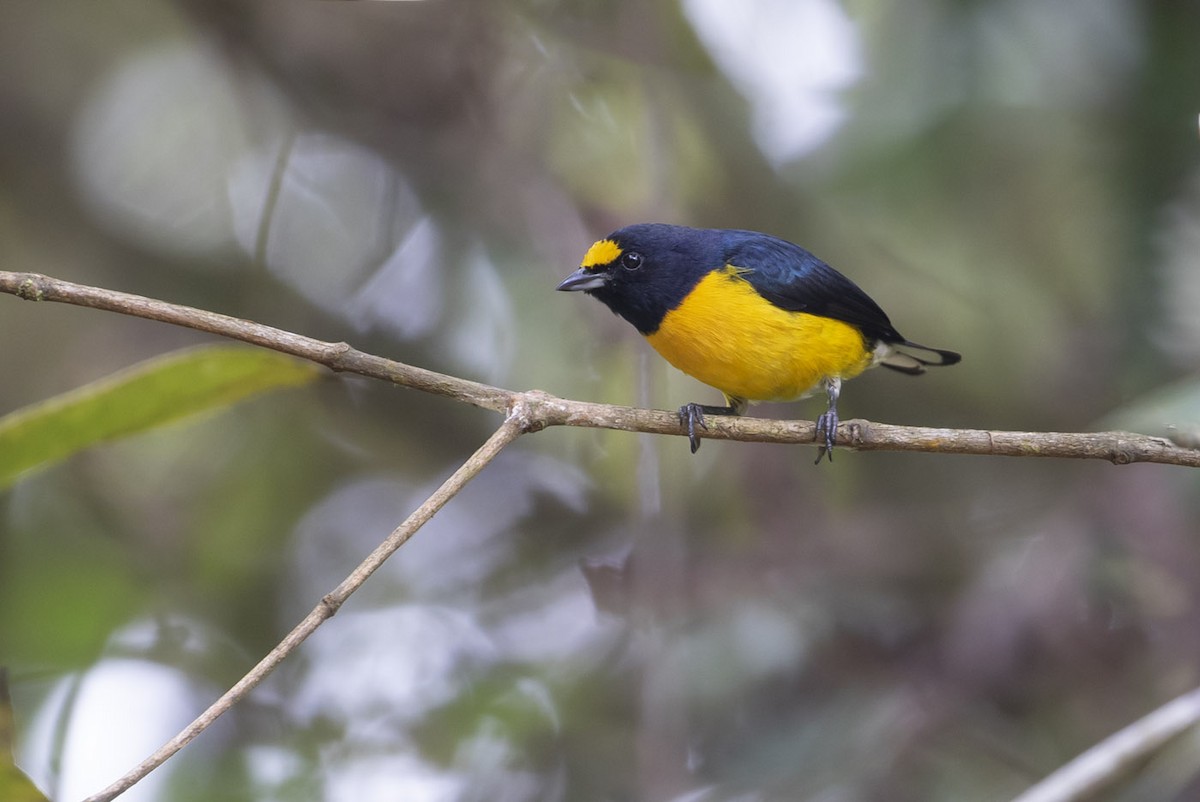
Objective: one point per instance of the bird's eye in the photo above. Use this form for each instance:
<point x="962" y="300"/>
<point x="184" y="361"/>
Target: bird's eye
<point x="631" y="260"/>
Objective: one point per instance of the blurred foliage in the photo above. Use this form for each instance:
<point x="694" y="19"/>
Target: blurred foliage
<point x="601" y="615"/>
<point x="14" y="785"/>
<point x="148" y="395"/>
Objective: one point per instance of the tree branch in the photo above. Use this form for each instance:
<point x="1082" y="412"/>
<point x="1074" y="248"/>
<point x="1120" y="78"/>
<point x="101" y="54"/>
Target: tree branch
<point x="548" y="410"/>
<point x="1114" y="758"/>
<point x="514" y="426"/>
<point x="533" y="411"/>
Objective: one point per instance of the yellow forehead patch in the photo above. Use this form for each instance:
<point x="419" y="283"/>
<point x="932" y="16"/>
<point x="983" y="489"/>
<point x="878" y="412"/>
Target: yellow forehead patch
<point x="601" y="253"/>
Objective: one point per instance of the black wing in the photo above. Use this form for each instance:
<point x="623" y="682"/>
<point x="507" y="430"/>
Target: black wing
<point x="793" y="279"/>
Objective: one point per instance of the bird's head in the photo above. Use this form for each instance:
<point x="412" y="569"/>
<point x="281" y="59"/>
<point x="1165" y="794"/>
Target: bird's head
<point x="643" y="271"/>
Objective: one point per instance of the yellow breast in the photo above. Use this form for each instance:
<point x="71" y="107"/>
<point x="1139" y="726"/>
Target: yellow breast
<point x="728" y="336"/>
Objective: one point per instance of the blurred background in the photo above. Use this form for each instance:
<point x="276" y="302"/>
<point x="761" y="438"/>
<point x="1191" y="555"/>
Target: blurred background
<point x="600" y="615"/>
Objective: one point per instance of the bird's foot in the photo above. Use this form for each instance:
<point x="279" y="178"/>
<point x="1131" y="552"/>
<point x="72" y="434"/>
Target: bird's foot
<point x="691" y="417"/>
<point x="827" y="425"/>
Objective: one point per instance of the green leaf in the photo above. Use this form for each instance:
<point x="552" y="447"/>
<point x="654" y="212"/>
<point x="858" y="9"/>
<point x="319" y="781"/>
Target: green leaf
<point x="148" y="395"/>
<point x="14" y="785"/>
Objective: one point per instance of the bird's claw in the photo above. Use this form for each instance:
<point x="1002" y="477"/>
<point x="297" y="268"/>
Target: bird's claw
<point x="691" y="417"/>
<point x="827" y="425"/>
<point x="828" y="422"/>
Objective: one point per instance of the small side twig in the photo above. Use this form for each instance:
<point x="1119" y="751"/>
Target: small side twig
<point x="512" y="428"/>
<point x="1114" y="758"/>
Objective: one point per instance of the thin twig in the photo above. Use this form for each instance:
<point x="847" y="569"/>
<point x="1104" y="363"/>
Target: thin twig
<point x="1116" y="447"/>
<point x="1114" y="758"/>
<point x="335" y="356"/>
<point x="262" y="239"/>
<point x="514" y="426"/>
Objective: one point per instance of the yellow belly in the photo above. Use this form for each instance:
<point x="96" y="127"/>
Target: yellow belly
<point x="728" y="336"/>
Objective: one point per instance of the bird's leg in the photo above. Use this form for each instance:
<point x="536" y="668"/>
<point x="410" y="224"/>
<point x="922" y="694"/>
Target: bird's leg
<point x="827" y="423"/>
<point x="692" y="416"/>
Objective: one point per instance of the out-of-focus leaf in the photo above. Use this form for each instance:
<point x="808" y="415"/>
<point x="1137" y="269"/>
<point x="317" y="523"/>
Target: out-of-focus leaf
<point x="14" y="785"/>
<point x="153" y="393"/>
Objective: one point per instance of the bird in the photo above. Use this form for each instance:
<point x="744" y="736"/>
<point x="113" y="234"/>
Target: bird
<point x="757" y="317"/>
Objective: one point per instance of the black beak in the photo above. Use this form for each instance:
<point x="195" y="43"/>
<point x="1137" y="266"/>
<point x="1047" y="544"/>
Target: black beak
<point x="583" y="280"/>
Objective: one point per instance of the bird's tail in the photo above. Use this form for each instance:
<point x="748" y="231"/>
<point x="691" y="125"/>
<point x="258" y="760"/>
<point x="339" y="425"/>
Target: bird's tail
<point x="905" y="361"/>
